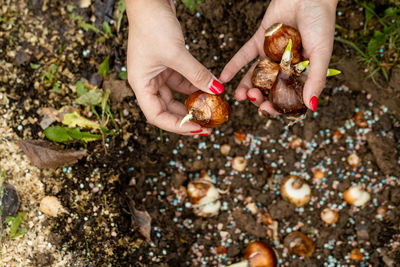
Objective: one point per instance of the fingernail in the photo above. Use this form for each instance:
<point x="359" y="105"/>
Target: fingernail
<point x="251" y="98"/>
<point x="216" y="87"/>
<point x="205" y="134"/>
<point x="197" y="131"/>
<point x="314" y="103"/>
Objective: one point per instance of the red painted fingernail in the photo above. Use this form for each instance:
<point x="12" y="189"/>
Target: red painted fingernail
<point x="216" y="87"/>
<point x="314" y="103"/>
<point x="251" y="98"/>
<point x="197" y="131"/>
<point x="205" y="134"/>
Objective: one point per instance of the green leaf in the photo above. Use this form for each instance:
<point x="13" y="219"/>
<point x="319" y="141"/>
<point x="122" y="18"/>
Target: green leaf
<point x="75" y="120"/>
<point x="104" y="100"/>
<point x="70" y="8"/>
<point x="80" y="88"/>
<point x="87" y="26"/>
<point x="34" y="66"/>
<point x="83" y="136"/>
<point x="53" y="68"/>
<point x="107" y="29"/>
<point x="391" y="12"/>
<point x="3" y="174"/>
<point x="368" y="13"/>
<point x="91" y="98"/>
<point x="376" y="42"/>
<point x="123" y="75"/>
<point x="56" y="88"/>
<point x="15" y="224"/>
<point x="121" y="11"/>
<point x="104" y="67"/>
<point x="62" y="134"/>
<point x="192" y="4"/>
<point x="58" y="134"/>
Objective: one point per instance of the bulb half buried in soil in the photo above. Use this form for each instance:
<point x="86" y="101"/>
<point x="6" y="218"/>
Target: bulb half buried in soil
<point x="206" y="109"/>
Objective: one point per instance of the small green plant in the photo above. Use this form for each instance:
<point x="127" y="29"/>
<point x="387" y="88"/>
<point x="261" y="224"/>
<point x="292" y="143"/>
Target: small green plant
<point x="15" y="223"/>
<point x="97" y="100"/>
<point x="106" y="33"/>
<point x="192" y="4"/>
<point x="378" y="44"/>
<point x="49" y="77"/>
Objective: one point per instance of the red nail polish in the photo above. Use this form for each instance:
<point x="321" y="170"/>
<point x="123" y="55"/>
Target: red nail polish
<point x="216" y="87"/>
<point x="197" y="131"/>
<point x="251" y="98"/>
<point x="314" y="103"/>
<point x="205" y="134"/>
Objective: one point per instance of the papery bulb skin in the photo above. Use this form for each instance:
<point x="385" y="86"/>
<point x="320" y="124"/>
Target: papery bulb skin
<point x="286" y="95"/>
<point x="264" y="75"/>
<point x="276" y="39"/>
<point x="260" y="254"/>
<point x="207" y="110"/>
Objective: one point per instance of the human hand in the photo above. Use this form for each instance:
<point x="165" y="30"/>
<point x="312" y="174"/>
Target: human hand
<point x="315" y="20"/>
<point x="158" y="60"/>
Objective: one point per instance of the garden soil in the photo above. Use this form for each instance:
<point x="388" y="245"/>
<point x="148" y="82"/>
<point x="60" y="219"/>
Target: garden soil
<point x="151" y="167"/>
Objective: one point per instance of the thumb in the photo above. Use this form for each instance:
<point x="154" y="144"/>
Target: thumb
<point x="196" y="73"/>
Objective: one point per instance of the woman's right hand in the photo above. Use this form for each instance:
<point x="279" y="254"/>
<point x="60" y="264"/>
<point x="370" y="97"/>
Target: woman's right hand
<point x="158" y="61"/>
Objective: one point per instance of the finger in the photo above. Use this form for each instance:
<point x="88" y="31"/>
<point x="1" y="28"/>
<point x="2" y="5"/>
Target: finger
<point x="173" y="106"/>
<point x="266" y="106"/>
<point x="156" y="111"/>
<point x="245" y="85"/>
<point x="255" y="96"/>
<point x="178" y="83"/>
<point x="184" y="63"/>
<point x="245" y="55"/>
<point x="315" y="82"/>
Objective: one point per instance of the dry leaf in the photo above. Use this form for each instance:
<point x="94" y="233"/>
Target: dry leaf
<point x="51" y="206"/>
<point x="44" y="155"/>
<point x="51" y="115"/>
<point x="140" y="220"/>
<point x="119" y="90"/>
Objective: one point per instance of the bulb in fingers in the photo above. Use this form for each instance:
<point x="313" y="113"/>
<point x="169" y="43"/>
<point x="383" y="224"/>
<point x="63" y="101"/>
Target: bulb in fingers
<point x="206" y="109"/>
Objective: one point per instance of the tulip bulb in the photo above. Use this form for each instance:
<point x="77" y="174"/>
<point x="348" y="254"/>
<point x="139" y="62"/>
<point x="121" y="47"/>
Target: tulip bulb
<point x="258" y="254"/>
<point x="206" y="109"/>
<point x="356" y="196"/>
<point x="276" y="39"/>
<point x="296" y="190"/>
<point x="264" y="75"/>
<point x="329" y="216"/>
<point x="204" y="197"/>
<point x="299" y="244"/>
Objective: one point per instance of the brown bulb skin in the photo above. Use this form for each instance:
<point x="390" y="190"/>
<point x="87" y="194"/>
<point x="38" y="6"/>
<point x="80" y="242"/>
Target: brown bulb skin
<point x="276" y="39"/>
<point x="286" y="95"/>
<point x="264" y="75"/>
<point x="207" y="110"/>
<point x="299" y="244"/>
<point x="259" y="254"/>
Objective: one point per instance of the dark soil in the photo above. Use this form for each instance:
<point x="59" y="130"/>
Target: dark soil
<point x="149" y="166"/>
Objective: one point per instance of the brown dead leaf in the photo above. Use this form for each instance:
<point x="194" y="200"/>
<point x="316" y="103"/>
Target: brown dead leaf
<point x="119" y="91"/>
<point x="51" y="115"/>
<point x="44" y="155"/>
<point x="141" y="220"/>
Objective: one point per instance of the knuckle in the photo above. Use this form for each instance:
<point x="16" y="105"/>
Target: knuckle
<point x="200" y="76"/>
